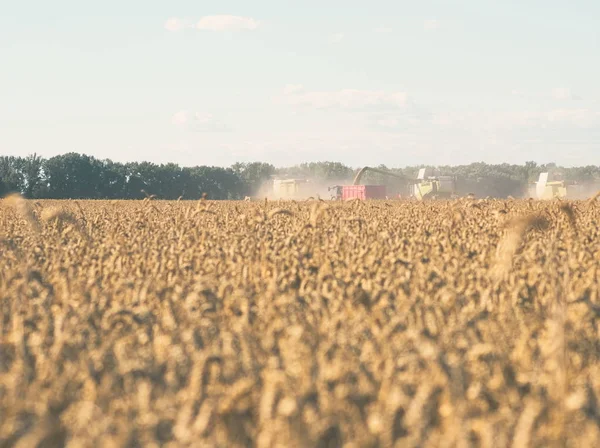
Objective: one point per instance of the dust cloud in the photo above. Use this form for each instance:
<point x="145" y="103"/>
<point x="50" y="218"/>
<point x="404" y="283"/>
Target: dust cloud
<point x="312" y="188"/>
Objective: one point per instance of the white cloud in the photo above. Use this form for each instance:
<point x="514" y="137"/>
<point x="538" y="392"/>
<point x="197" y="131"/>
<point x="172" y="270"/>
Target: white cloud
<point x="399" y="123"/>
<point x="292" y="88"/>
<point x="397" y="137"/>
<point x="558" y="94"/>
<point x="532" y="120"/>
<point x="388" y="122"/>
<point x="197" y="121"/>
<point x="580" y="118"/>
<point x="564" y="93"/>
<point x="175" y="24"/>
<point x="227" y="23"/>
<point x="383" y="29"/>
<point x="296" y="95"/>
<point x="442" y="120"/>
<point x="180" y="118"/>
<point x="336" y="38"/>
<point x="431" y="24"/>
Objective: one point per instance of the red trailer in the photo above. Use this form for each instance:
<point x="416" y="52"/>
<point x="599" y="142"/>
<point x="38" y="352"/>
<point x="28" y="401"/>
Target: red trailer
<point x="363" y="192"/>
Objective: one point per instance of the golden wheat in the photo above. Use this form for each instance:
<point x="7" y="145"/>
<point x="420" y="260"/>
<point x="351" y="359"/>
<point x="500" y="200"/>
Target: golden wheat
<point x="390" y="323"/>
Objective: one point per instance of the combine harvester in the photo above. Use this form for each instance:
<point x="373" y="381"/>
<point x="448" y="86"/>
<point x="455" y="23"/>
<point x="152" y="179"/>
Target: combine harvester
<point x="434" y="187"/>
<point x="290" y="188"/>
<point x="546" y="189"/>
<point x="422" y="188"/>
<point x="551" y="186"/>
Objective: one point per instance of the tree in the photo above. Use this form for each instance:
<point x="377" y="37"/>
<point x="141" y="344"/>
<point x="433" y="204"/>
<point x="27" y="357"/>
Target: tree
<point x="170" y="180"/>
<point x="11" y="175"/>
<point x="140" y="176"/>
<point x="113" y="180"/>
<point x="32" y="176"/>
<point x="253" y="175"/>
<point x="215" y="183"/>
<point x="74" y="176"/>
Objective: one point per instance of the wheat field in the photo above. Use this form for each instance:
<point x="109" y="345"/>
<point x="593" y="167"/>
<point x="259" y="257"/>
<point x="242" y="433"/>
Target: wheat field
<point x="361" y="324"/>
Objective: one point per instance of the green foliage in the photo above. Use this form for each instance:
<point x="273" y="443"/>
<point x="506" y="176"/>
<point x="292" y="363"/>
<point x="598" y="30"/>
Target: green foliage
<point x="321" y="171"/>
<point x="11" y="175"/>
<point x="253" y="175"/>
<point x="74" y="175"/>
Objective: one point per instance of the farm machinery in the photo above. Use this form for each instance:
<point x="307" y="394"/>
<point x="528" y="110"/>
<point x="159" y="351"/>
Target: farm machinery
<point x="421" y="188"/>
<point x="360" y="191"/>
<point x="433" y="187"/>
<point x="335" y="192"/>
<point x="290" y="188"/>
<point x="548" y="187"/>
<point x="552" y="186"/>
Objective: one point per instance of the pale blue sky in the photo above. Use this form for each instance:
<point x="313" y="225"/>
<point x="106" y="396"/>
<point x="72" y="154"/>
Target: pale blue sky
<point x="361" y="82"/>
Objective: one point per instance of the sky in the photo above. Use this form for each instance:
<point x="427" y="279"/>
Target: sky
<point x="391" y="82"/>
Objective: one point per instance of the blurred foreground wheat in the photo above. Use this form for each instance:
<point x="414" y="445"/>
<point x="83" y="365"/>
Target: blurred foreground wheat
<point x="151" y="323"/>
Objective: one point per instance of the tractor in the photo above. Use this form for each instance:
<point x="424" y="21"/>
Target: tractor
<point x="335" y="192"/>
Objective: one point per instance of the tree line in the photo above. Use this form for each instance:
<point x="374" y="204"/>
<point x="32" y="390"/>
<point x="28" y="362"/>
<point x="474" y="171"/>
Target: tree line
<point x="79" y="176"/>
